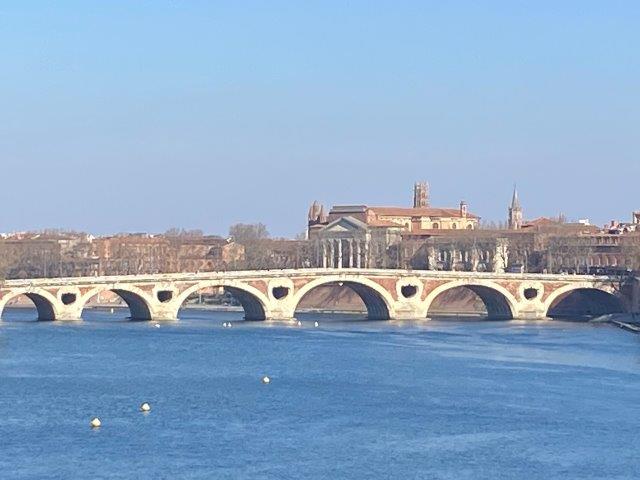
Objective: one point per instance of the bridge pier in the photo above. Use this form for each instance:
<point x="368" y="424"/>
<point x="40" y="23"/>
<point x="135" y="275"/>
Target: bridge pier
<point x="530" y="314"/>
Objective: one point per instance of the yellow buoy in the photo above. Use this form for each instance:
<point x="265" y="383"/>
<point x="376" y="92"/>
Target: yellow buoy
<point x="266" y="380"/>
<point x="145" y="407"/>
<point x="95" y="422"/>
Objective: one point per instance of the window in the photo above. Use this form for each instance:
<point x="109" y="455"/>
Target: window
<point x="454" y="226"/>
<point x="435" y="226"/>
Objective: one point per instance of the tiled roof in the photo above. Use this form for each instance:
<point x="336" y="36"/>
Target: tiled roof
<point x="420" y="212"/>
<point x="382" y="223"/>
<point x="540" y="221"/>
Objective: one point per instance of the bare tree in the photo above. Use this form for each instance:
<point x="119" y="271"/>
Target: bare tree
<point x="242" y="232"/>
<point x="181" y="232"/>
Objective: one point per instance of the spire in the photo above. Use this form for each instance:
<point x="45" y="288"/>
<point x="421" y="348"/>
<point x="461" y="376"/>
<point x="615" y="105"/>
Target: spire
<point x="515" y="212"/>
<point x="515" y="201"/>
<point x="313" y="211"/>
<point x="322" y="217"/>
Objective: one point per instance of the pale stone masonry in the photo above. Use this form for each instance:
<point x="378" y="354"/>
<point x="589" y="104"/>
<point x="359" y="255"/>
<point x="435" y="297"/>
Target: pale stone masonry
<point x="275" y="294"/>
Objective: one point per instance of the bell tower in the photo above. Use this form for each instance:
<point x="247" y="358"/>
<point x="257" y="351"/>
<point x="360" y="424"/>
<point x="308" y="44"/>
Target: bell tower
<point x="421" y="195"/>
<point x="515" y="212"/>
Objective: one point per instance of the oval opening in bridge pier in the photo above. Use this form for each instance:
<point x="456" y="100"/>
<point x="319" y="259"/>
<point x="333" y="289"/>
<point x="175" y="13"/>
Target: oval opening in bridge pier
<point x="68" y="298"/>
<point x="280" y="292"/>
<point x="165" y="296"/>
<point x="530" y="293"/>
<point x="408" y="291"/>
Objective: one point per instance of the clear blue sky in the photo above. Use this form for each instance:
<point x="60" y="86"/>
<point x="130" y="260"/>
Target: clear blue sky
<point x="143" y="115"/>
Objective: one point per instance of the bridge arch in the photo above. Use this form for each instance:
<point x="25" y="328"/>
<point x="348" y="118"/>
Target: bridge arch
<point x="377" y="299"/>
<point x="138" y="301"/>
<point x="253" y="301"/>
<point x="498" y="301"/>
<point x="45" y="302"/>
<point x="583" y="300"/>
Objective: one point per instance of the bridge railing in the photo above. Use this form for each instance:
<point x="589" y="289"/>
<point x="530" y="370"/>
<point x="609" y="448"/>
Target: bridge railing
<point x="305" y="272"/>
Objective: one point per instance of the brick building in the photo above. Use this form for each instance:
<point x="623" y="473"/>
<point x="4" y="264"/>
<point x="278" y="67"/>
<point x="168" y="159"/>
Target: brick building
<point x="361" y="235"/>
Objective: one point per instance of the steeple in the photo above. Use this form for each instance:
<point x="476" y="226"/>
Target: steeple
<point x="515" y="212"/>
<point x="515" y="201"/>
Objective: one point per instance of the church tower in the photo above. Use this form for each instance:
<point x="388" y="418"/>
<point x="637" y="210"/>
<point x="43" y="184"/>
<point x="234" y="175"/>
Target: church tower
<point x="421" y="195"/>
<point x="515" y="212"/>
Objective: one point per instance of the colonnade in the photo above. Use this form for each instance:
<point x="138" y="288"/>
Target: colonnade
<point x="344" y="253"/>
<point x="495" y="261"/>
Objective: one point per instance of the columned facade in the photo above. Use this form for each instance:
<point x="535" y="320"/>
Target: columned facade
<point x="343" y="253"/>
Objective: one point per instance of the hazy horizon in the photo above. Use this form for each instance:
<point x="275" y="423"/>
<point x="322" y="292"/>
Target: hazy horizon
<point x="123" y="117"/>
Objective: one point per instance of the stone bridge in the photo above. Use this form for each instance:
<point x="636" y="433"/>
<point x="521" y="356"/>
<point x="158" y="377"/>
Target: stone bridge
<point x="275" y="294"/>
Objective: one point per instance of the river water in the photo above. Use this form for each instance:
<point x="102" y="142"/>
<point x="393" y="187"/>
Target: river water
<point x="349" y="399"/>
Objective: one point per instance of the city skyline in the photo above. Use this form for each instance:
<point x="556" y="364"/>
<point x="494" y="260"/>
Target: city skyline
<point x="319" y="239"/>
<point x="223" y="230"/>
<point x="123" y="117"/>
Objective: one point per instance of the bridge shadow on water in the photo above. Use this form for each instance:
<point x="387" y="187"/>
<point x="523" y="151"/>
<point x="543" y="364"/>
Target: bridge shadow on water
<point x="236" y="317"/>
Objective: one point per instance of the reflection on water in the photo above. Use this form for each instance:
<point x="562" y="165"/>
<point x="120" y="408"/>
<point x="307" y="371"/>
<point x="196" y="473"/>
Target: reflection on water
<point x="348" y="399"/>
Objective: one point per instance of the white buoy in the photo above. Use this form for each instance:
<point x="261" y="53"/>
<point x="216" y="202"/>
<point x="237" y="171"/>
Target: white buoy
<point x="112" y="310"/>
<point x="224" y="324"/>
<point x="95" y="422"/>
<point x="157" y="325"/>
<point x="145" y="407"/>
<point x="299" y="323"/>
<point x="316" y="324"/>
<point x="266" y="380"/>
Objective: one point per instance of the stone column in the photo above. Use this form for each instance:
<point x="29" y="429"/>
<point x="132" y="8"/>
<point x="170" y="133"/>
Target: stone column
<point x="358" y="254"/>
<point x="367" y="260"/>
<point x="340" y="253"/>
<point x="475" y="259"/>
<point x="350" y="253"/>
<point x="324" y="254"/>
<point x="332" y="254"/>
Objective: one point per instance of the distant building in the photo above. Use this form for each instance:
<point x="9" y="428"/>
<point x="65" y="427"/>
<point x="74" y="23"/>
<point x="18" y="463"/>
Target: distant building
<point x="143" y="253"/>
<point x="514" y="221"/>
<point x="34" y="255"/>
<point x="619" y="228"/>
<point x="360" y="235"/>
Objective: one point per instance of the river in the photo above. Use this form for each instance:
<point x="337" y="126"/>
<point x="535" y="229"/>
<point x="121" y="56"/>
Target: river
<point x="348" y="399"/>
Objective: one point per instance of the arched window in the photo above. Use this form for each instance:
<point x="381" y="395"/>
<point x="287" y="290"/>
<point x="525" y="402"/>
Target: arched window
<point x="435" y="226"/>
<point x="470" y="226"/>
<point x="454" y="226"/>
